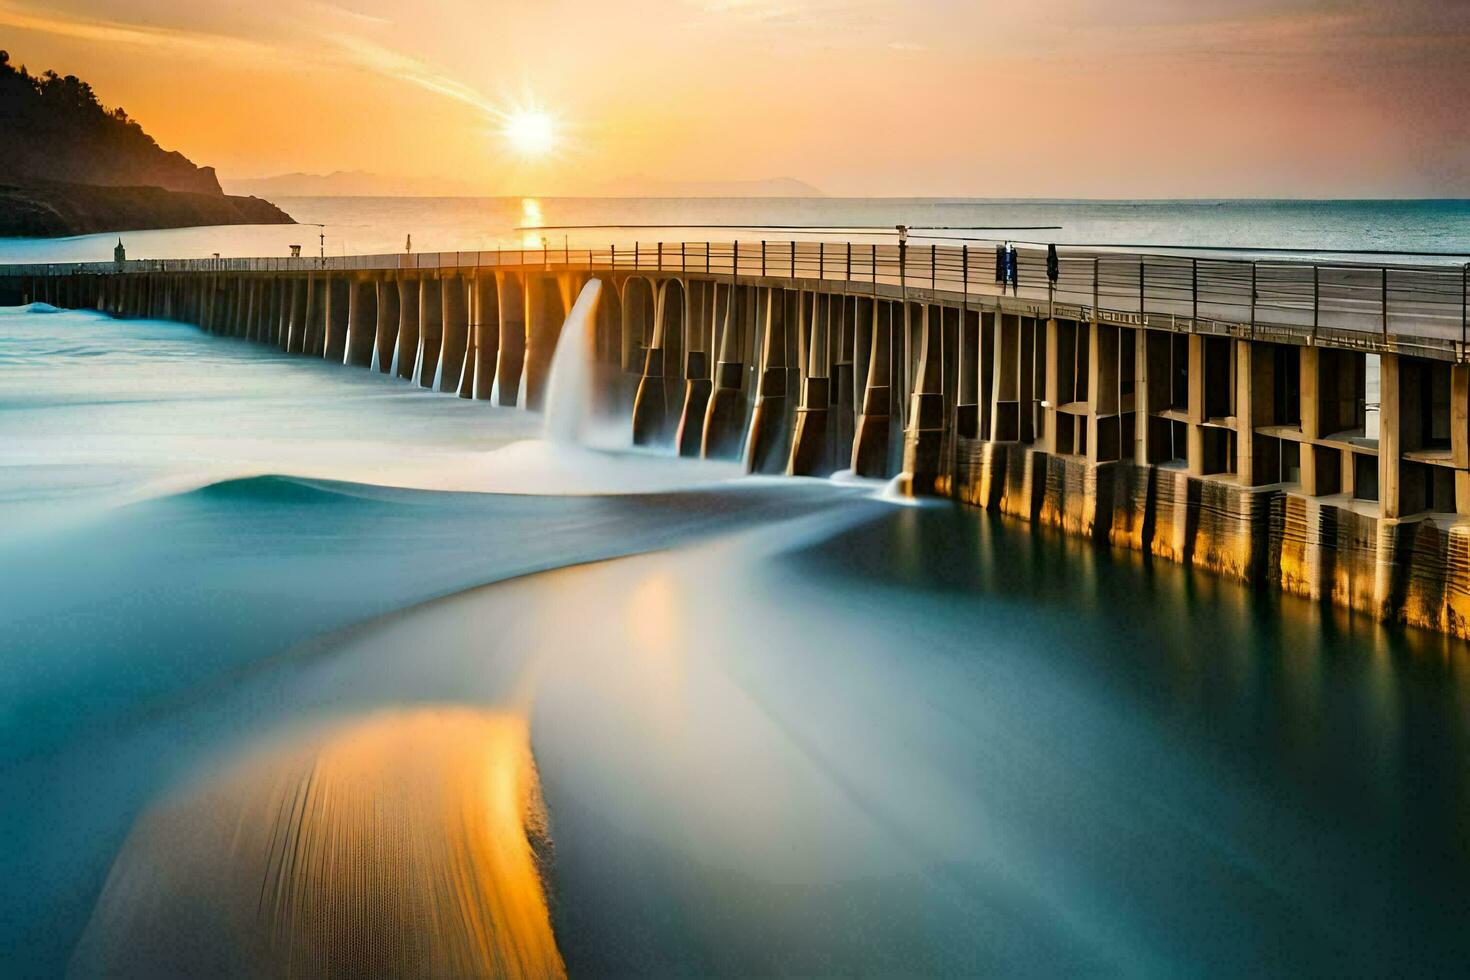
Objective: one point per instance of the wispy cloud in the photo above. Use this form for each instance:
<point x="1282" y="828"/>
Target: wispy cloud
<point x="384" y="61"/>
<point x="175" y="39"/>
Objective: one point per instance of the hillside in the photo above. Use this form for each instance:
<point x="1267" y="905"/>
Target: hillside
<point x="69" y="166"/>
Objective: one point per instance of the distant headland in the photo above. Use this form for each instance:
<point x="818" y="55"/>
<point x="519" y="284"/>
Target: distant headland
<point x="70" y="166"/>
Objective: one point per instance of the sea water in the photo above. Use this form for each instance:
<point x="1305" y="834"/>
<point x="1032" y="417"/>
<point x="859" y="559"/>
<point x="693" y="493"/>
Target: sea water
<point x="357" y="226"/>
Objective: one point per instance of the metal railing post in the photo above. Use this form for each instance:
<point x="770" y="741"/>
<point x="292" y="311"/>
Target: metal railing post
<point x="1194" y="288"/>
<point x="1253" y="297"/>
<point x="660" y="267"/>
<point x="763" y="258"/>
<point x="934" y="268"/>
<point x="683" y="264"/>
<point x="1142" y="264"/>
<point x="1316" y="299"/>
<point x="1096" y="289"/>
<point x="821" y="260"/>
<point x="1384" y="293"/>
<point x="793" y="260"/>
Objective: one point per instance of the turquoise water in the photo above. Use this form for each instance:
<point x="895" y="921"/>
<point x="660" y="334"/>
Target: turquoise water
<point x="781" y="726"/>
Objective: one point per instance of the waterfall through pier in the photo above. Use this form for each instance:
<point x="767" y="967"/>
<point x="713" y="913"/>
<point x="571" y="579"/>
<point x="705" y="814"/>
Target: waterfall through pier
<point x="569" y="387"/>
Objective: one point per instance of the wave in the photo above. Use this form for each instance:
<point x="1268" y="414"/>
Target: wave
<point x="402" y="844"/>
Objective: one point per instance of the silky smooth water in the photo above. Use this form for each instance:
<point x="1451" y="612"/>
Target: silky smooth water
<point x="779" y="726"/>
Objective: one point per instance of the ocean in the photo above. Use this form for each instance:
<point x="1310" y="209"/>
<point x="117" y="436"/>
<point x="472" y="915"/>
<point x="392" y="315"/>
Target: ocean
<point x="355" y="226"/>
<point x="306" y="665"/>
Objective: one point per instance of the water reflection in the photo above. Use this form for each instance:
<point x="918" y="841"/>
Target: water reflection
<point x="398" y="845"/>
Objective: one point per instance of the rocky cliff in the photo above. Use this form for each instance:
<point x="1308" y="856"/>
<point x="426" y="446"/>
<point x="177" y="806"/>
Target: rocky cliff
<point x="70" y="166"/>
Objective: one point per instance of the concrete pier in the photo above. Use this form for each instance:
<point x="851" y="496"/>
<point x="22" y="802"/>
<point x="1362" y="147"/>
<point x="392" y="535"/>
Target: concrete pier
<point x="1310" y="431"/>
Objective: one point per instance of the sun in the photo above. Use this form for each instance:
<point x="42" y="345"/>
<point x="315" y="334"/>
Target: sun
<point x="530" y="132"/>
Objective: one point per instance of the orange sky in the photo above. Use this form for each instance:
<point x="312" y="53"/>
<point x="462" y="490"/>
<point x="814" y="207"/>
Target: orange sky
<point x="1052" y="98"/>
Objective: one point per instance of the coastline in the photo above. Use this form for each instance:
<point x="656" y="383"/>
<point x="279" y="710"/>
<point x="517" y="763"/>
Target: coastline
<point x="51" y="209"/>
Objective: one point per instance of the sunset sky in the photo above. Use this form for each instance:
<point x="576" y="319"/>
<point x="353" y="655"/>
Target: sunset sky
<point x="1023" y="98"/>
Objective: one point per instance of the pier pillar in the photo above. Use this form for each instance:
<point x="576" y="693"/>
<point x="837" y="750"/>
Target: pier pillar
<point x="284" y="299"/>
<point x="259" y="332"/>
<point x="455" y="307"/>
<point x="385" y="343"/>
<point x="724" y="421"/>
<point x="512" y="338"/>
<point x="653" y="422"/>
<point x="767" y="445"/>
<point x="431" y="330"/>
<point x="362" y="322"/>
<point x="1195" y="444"/>
<point x="967" y="390"/>
<point x="1460" y="434"/>
<point x="487" y="334"/>
<point x="296" y="330"/>
<point x="870" y="444"/>
<point x="1390" y="434"/>
<point x="809" y="455"/>
<point x="408" y="326"/>
<point x="339" y="299"/>
<point x="1104" y="429"/>
<point x="314" y="339"/>
<point x="924" y="436"/>
<point x="546" y="311"/>
<point x="698" y="380"/>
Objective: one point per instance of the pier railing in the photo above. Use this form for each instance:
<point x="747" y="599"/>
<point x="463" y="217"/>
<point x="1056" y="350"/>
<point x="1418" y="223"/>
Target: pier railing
<point x="1400" y="306"/>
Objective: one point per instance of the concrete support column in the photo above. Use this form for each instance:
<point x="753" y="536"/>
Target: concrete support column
<point x="454" y="303"/>
<point x="339" y="299"/>
<point x="809" y="456"/>
<point x="546" y="311"/>
<point x="1195" y="442"/>
<point x="408" y="327"/>
<point x="1460" y="434"/>
<point x="314" y="336"/>
<point x="296" y="335"/>
<point x="389" y="315"/>
<point x="512" y="338"/>
<point x="967" y="395"/>
<point x="1390" y="435"/>
<point x="652" y="423"/>
<point x="431" y="330"/>
<point x="487" y="333"/>
<point x="1311" y="411"/>
<point x="767" y="447"/>
<point x="870" y="438"/>
<point x="924" y="435"/>
<point x="724" y="421"/>
<point x="1047" y="438"/>
<point x="699" y="383"/>
<point x="1104" y="427"/>
<point x="362" y="322"/>
<point x="264" y="310"/>
<point x="284" y="291"/>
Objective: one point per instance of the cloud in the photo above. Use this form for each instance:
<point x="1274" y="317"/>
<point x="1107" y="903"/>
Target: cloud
<point x="392" y="64"/>
<point x="175" y="39"/>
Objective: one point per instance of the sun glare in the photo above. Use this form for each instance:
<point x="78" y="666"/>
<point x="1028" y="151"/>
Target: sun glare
<point x="530" y="132"/>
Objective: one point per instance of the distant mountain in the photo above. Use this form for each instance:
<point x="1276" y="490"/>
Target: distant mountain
<point x="349" y="183"/>
<point x="70" y="166"/>
<point x="641" y="186"/>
